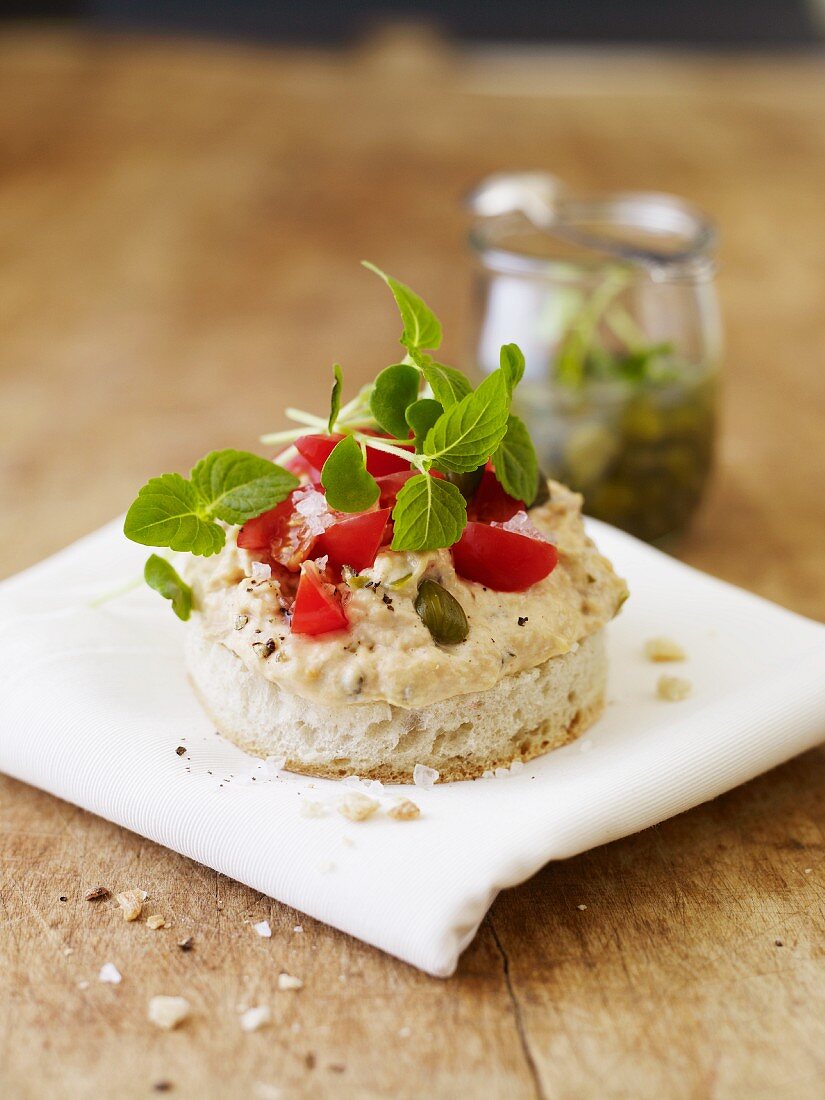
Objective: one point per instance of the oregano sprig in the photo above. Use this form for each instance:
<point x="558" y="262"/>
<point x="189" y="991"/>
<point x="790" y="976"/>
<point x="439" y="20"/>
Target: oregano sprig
<point x="232" y="486"/>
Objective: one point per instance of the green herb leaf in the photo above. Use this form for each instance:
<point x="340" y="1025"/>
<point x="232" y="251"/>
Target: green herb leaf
<point x="421" y="416"/>
<point x="512" y="364"/>
<point x="230" y="485"/>
<point x="515" y="462"/>
<point x="429" y="513"/>
<point x="169" y="512"/>
<point x="335" y="397"/>
<point x="236" y="486"/>
<point x="469" y="432"/>
<point x="395" y="388"/>
<point x="449" y="385"/>
<point x="422" y="328"/>
<point x="161" y="575"/>
<point x="348" y="486"/>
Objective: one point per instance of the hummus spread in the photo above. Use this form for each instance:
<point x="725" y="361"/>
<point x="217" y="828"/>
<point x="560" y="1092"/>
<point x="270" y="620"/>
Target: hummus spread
<point x="388" y="654"/>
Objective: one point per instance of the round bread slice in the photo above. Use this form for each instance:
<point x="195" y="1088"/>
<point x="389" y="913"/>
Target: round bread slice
<point x="519" y="718"/>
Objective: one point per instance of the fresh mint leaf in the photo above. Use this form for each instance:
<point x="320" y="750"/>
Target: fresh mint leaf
<point x="230" y="485"/>
<point x="469" y="432"/>
<point x="335" y="397"/>
<point x="169" y="512"/>
<point x="421" y="416"/>
<point x="348" y="486"/>
<point x="162" y="576"/>
<point x="422" y="329"/>
<point x="449" y="385"/>
<point x="236" y="485"/>
<point x="512" y="364"/>
<point x="395" y="388"/>
<point x="515" y="462"/>
<point x="429" y="513"/>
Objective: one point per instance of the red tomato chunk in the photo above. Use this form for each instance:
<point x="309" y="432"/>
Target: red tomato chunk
<point x="354" y="540"/>
<point x="317" y="608"/>
<point x="502" y="560"/>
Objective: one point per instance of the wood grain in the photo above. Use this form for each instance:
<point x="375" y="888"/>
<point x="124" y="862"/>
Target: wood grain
<point x="180" y="226"/>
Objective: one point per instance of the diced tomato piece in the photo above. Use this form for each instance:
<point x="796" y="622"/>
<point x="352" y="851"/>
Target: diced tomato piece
<point x="353" y="540"/>
<point x="316" y="449"/>
<point x="390" y="485"/>
<point x="490" y="503"/>
<point x="502" y="560"/>
<point x="317" y="608"/>
<point x="282" y="533"/>
<point x="259" y="533"/>
<point x="299" y="466"/>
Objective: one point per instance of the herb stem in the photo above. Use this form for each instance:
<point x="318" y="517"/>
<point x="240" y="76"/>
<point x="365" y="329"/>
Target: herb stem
<point x="115" y="593"/>
<point x="274" y="438"/>
<point x="301" y="417"/>
<point x="379" y="444"/>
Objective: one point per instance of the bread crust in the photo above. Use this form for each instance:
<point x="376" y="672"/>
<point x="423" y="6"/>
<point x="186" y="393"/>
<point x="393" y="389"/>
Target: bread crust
<point x="523" y="716"/>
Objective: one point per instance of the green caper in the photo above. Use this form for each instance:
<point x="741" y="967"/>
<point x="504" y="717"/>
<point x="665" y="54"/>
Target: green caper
<point x="466" y="483"/>
<point x="542" y="490"/>
<point x="441" y="613"/>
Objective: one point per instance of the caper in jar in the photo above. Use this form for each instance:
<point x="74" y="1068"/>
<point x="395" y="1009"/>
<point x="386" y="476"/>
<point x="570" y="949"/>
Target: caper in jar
<point x="441" y="613"/>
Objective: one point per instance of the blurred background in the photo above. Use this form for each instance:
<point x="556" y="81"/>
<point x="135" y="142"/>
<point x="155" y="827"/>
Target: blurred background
<point x="187" y="190"/>
<point x="737" y="23"/>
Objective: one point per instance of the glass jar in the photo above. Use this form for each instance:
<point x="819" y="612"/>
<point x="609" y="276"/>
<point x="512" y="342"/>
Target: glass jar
<point x="612" y="300"/>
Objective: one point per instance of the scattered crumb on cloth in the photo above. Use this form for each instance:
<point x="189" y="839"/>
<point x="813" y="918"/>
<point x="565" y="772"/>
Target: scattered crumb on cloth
<point x="673" y="688"/>
<point x="664" y="649"/>
<point x="168" y="1012"/>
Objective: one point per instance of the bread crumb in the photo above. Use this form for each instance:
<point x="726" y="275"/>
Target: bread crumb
<point x="68" y="951"/>
<point x="131" y="902"/>
<point x="424" y="777"/>
<point x="404" y="1032"/>
<point x="83" y="985"/>
<point x="155" y="921"/>
<point x="263" y="929"/>
<point x="404" y="810"/>
<point x="287" y="981"/>
<point x="313" y="809"/>
<point x="581" y="906"/>
<point x="357" y="807"/>
<point x="97" y="893"/>
<point x="673" y="688"/>
<point x="298" y="928"/>
<point x="255" y="1018"/>
<point x="168" y="1012"/>
<point x="664" y="649"/>
<point x="109" y="974"/>
<point x="265" y="1091"/>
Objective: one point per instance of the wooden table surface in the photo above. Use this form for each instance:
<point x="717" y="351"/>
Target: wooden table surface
<point x="181" y="225"/>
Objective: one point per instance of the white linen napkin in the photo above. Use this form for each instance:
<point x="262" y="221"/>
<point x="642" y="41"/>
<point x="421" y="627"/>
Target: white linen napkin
<point x="94" y="703"/>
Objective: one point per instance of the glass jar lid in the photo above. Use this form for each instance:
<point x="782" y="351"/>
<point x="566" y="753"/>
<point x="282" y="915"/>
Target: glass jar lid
<point x="527" y="221"/>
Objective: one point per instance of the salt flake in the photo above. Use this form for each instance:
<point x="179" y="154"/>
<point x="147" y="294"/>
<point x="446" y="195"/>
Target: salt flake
<point x="256" y="1017"/>
<point x="263" y="929"/>
<point x="424" y="777"/>
<point x="109" y="974"/>
<point x="261" y="571"/>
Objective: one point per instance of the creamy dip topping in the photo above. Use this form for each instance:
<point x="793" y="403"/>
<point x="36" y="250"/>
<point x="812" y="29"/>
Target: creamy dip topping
<point x="388" y="654"/>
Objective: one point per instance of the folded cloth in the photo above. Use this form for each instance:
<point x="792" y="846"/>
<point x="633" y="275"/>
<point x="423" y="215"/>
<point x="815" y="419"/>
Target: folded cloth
<point x="96" y="708"/>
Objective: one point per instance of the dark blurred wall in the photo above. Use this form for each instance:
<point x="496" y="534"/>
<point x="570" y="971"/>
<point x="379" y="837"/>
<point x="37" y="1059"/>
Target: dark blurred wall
<point x="700" y="22"/>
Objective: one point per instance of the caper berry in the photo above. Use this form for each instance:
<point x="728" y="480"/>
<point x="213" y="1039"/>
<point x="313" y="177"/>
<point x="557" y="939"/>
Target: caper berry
<point x="542" y="490"/>
<point x="441" y="613"/>
<point x="466" y="483"/>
